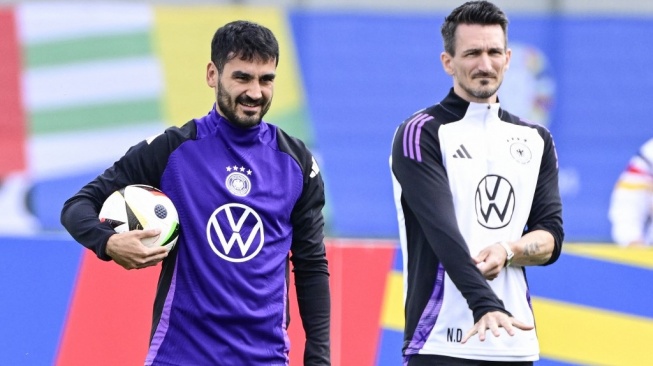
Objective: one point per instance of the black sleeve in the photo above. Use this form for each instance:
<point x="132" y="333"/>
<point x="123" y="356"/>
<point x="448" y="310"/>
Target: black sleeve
<point x="425" y="189"/>
<point x="143" y="163"/>
<point x="546" y="211"/>
<point x="309" y="258"/>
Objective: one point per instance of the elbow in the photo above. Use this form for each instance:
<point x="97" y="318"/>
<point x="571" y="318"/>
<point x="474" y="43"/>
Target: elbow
<point x="548" y="239"/>
<point x="556" y="248"/>
<point x="553" y="256"/>
<point x="64" y="216"/>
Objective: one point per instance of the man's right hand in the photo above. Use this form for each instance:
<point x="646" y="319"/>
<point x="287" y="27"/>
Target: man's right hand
<point x="493" y="321"/>
<point x="128" y="251"/>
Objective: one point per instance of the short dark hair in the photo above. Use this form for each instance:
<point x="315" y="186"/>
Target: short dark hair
<point x="245" y="40"/>
<point x="472" y="12"/>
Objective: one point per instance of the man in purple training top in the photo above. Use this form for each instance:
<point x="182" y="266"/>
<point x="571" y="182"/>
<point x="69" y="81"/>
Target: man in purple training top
<point x="247" y="195"/>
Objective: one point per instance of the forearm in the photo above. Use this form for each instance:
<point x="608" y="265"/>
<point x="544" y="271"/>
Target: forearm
<point x="79" y="217"/>
<point x="314" y="301"/>
<point x="532" y="249"/>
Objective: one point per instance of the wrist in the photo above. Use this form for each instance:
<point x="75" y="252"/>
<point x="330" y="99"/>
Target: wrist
<point x="509" y="253"/>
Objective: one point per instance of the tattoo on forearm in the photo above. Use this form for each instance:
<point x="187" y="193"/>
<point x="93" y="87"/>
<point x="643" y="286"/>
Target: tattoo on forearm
<point x="532" y="249"/>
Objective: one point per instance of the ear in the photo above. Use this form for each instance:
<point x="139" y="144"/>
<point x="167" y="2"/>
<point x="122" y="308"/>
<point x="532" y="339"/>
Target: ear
<point x="446" y="58"/>
<point x="211" y="75"/>
<point x="508" y="55"/>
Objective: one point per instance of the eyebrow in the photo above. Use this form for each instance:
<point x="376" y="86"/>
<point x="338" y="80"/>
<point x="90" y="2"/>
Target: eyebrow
<point x="490" y="49"/>
<point x="238" y="73"/>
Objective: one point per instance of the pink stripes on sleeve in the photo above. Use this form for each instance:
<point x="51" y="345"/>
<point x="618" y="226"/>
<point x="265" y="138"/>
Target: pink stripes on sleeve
<point x="412" y="134"/>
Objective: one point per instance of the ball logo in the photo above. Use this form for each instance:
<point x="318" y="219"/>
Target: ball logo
<point x="160" y="211"/>
<point x="238" y="184"/>
<point x="231" y="224"/>
<point x="495" y="202"/>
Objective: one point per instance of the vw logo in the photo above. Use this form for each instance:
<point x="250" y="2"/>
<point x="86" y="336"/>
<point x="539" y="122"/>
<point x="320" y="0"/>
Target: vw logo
<point x="495" y="202"/>
<point x="233" y="225"/>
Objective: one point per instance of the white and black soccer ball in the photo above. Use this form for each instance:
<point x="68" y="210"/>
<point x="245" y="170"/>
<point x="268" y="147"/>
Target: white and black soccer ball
<point x="140" y="207"/>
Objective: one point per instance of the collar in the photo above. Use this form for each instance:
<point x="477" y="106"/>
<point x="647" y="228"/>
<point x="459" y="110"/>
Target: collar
<point x="460" y="107"/>
<point x="222" y="126"/>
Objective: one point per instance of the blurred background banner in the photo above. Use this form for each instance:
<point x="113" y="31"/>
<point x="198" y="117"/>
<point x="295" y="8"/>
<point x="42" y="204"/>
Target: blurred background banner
<point x="86" y="81"/>
<point x="82" y="82"/>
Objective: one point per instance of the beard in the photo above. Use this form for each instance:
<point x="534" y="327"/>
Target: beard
<point x="482" y="92"/>
<point x="229" y="107"/>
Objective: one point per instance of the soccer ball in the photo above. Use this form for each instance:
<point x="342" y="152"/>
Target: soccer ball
<point x="140" y="207"/>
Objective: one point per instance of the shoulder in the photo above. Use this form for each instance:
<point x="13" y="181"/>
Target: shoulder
<point x="295" y="148"/>
<point x="288" y="143"/>
<point x="430" y="118"/>
<point x="436" y="113"/>
<point x="647" y="149"/>
<point x="187" y="131"/>
<point x="173" y="134"/>
<point x="511" y="118"/>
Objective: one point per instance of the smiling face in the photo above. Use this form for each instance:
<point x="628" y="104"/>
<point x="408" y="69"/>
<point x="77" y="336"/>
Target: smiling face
<point x="479" y="63"/>
<point x="243" y="90"/>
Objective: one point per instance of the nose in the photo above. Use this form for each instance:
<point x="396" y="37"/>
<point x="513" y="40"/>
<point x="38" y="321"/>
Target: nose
<point x="485" y="63"/>
<point x="254" y="91"/>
